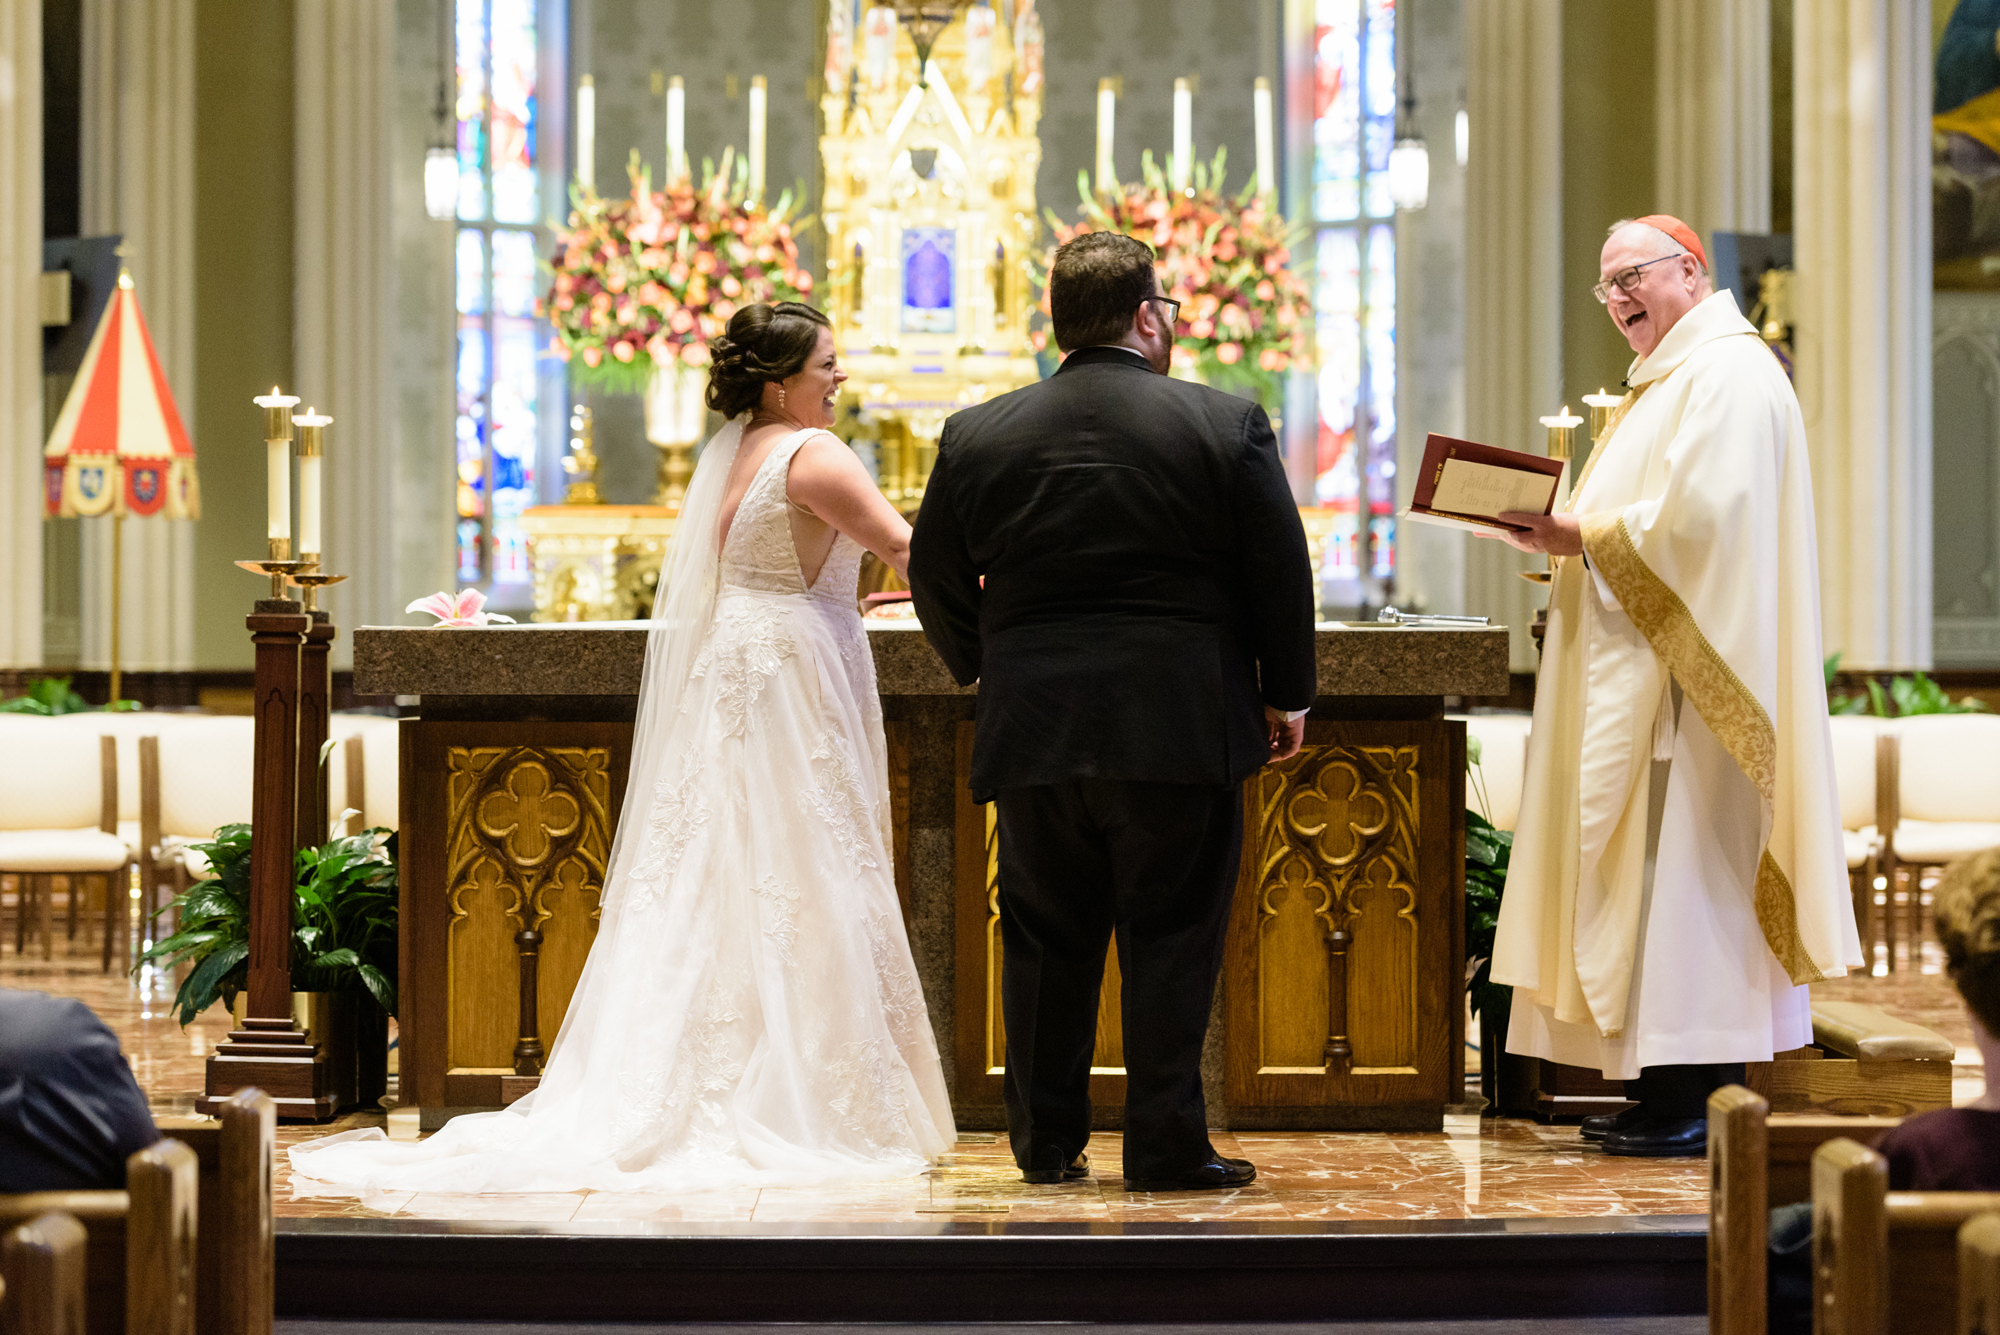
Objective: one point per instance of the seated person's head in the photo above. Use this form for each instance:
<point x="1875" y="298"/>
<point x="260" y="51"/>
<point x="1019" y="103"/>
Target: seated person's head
<point x="1967" y="908"/>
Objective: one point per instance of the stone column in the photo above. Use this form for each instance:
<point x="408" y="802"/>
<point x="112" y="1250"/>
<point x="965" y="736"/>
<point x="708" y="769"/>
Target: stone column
<point x="344" y="323"/>
<point x="1713" y="100"/>
<point x="1430" y="306"/>
<point x="20" y="336"/>
<point x="138" y="180"/>
<point x="1513" y="269"/>
<point x="1862" y="94"/>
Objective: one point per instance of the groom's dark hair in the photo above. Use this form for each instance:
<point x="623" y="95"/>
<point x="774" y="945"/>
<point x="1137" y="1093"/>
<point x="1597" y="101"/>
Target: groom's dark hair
<point x="1095" y="287"/>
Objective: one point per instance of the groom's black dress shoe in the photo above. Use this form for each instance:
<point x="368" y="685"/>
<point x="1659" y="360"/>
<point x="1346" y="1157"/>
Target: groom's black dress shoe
<point x="1660" y="1138"/>
<point x="1218" y="1174"/>
<point x="1602" y="1125"/>
<point x="1070" y="1172"/>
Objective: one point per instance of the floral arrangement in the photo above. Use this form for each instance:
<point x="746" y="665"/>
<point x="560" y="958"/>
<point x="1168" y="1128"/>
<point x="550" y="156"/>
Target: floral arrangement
<point x="465" y="608"/>
<point x="1245" y="313"/>
<point x="646" y="280"/>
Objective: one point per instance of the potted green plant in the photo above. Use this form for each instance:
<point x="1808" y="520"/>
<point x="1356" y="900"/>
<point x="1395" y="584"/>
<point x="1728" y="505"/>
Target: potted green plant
<point x="343" y="947"/>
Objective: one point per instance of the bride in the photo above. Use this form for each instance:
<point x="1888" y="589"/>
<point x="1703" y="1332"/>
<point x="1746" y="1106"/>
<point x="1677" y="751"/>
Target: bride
<point x="749" y="1014"/>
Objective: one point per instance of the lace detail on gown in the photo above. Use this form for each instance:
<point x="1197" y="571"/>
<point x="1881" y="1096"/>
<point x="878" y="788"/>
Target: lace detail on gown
<point x="750" y="1013"/>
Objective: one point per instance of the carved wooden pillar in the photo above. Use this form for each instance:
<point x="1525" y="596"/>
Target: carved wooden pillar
<point x="315" y="702"/>
<point x="528" y="1047"/>
<point x="269" y="1051"/>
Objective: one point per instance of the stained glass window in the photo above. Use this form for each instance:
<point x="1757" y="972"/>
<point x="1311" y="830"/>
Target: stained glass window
<point x="495" y="379"/>
<point x="1354" y="120"/>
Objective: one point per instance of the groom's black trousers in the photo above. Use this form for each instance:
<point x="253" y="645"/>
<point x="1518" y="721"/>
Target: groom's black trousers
<point x="1157" y="863"/>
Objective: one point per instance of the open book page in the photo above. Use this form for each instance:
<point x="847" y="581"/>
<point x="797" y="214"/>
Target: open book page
<point x="1467" y="488"/>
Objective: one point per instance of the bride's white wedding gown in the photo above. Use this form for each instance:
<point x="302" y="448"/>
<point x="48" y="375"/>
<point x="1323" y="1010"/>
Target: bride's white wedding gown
<point x="750" y="1014"/>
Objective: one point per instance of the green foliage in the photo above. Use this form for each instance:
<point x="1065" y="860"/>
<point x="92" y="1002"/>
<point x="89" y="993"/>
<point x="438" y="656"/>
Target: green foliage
<point x="1487" y="851"/>
<point x="47" y="696"/>
<point x="343" y="927"/>
<point x="1904" y="698"/>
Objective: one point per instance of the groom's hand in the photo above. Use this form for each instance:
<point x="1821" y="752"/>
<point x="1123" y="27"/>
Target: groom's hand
<point x="1286" y="735"/>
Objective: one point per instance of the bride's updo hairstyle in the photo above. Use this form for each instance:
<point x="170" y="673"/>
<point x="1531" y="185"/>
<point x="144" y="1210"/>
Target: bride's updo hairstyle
<point x="764" y="343"/>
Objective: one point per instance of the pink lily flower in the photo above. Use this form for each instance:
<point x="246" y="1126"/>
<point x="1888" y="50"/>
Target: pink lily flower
<point x="464" y="609"/>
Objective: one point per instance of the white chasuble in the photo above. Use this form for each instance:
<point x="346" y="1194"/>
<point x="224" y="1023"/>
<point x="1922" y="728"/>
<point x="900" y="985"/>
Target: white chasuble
<point x="1677" y="873"/>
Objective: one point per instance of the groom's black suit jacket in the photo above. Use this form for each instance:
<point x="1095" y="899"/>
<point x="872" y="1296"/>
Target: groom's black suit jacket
<point x="1146" y="591"/>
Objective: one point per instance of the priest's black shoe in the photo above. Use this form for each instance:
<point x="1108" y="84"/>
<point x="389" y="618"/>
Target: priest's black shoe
<point x="1218" y="1174"/>
<point x="1660" y="1138"/>
<point x="1602" y="1125"/>
<point x="1070" y="1172"/>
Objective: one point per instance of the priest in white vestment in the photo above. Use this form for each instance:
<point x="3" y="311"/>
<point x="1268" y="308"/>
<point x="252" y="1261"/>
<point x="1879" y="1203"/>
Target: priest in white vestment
<point x="1677" y="874"/>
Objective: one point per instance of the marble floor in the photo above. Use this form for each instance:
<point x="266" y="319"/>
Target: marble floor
<point x="1476" y="1168"/>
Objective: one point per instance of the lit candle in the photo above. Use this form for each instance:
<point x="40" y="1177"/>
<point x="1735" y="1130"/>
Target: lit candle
<point x="278" y="463"/>
<point x="586" y="135"/>
<point x="1183" y="166"/>
<point x="757" y="137"/>
<point x="1260" y="108"/>
<point x="1600" y="405"/>
<point x="1562" y="434"/>
<point x="1107" y="110"/>
<point x="312" y="427"/>
<point x="677" y="158"/>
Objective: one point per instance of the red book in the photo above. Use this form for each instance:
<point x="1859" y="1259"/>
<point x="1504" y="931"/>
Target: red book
<point x="1466" y="485"/>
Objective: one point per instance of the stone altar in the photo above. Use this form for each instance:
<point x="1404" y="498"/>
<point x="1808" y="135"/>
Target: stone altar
<point x="1340" y="1004"/>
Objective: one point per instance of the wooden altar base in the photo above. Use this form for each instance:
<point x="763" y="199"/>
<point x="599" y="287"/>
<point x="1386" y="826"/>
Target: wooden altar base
<point x="962" y="1272"/>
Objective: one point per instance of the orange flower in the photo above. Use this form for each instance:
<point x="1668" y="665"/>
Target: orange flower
<point x="1228" y="353"/>
<point x="593" y="355"/>
<point x="695" y="354"/>
<point x="622" y="350"/>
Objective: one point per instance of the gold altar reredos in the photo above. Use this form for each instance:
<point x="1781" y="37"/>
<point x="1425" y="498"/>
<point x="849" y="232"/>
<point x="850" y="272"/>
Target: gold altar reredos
<point x="930" y="219"/>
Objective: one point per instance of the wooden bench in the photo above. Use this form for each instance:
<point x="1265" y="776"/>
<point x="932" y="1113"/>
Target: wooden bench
<point x="237" y="1256"/>
<point x="1884" y="1263"/>
<point x="140" y="1255"/>
<point x="1863" y="1063"/>
<point x="1757" y="1162"/>
<point x="42" y="1277"/>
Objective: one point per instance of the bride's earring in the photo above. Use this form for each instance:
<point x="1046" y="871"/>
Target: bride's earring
<point x="781" y="398"/>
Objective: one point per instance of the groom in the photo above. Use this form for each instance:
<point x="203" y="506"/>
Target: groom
<point x="1116" y="558"/>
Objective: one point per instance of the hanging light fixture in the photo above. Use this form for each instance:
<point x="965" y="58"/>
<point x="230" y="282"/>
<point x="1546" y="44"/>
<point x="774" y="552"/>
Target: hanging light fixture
<point x="1409" y="160"/>
<point x="441" y="158"/>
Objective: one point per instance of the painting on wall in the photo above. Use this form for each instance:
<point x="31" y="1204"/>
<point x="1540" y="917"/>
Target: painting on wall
<point x="1965" y="145"/>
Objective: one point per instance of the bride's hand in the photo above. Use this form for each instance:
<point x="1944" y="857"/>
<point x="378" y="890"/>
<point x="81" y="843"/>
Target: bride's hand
<point x="829" y="481"/>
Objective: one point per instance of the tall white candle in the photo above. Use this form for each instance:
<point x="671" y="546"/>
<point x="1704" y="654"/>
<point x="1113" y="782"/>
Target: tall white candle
<point x="277" y="462"/>
<point x="586" y="134"/>
<point x="677" y="158"/>
<point x="312" y="427"/>
<point x="278" y="489"/>
<point x="1183" y="134"/>
<point x="1107" y="110"/>
<point x="1260" y="107"/>
<point x="757" y="137"/>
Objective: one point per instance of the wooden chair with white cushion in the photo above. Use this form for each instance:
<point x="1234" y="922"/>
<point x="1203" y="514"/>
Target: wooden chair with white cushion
<point x="59" y="819"/>
<point x="1858" y="742"/>
<point x="1497" y="780"/>
<point x="42" y="1269"/>
<point x="128" y="729"/>
<point x="363" y="773"/>
<point x="1947" y="802"/>
<point x="201" y="779"/>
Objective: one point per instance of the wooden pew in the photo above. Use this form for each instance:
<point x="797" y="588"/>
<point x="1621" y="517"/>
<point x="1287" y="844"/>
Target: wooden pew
<point x="42" y="1277"/>
<point x="237" y="1258"/>
<point x="1884" y="1263"/>
<point x="1757" y="1162"/>
<point x="140" y="1259"/>
<point x="1979" y="1276"/>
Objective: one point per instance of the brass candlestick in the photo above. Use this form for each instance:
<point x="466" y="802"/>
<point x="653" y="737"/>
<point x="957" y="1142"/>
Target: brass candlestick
<point x="1601" y="406"/>
<point x="581" y="461"/>
<point x="278" y="565"/>
<point x="1562" y="445"/>
<point x="312" y="582"/>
